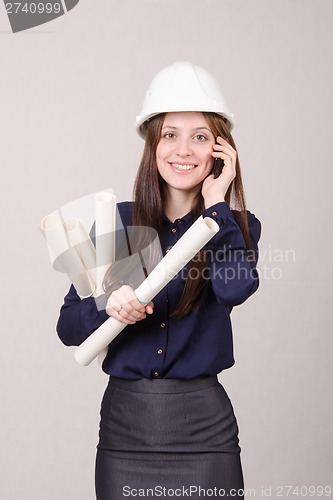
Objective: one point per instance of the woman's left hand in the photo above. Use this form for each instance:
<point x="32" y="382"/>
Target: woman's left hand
<point x="214" y="190"/>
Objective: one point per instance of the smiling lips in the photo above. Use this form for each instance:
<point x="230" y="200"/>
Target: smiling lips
<point x="182" y="167"/>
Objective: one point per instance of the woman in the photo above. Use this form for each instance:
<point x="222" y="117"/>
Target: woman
<point x="167" y="425"/>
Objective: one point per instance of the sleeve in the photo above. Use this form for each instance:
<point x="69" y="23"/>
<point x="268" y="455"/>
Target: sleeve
<point x="79" y="318"/>
<point x="232" y="266"/>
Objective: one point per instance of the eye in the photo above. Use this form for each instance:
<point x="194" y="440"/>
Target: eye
<point x="200" y="137"/>
<point x="169" y="135"/>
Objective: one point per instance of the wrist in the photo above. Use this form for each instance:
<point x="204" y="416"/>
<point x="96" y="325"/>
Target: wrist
<point x="209" y="202"/>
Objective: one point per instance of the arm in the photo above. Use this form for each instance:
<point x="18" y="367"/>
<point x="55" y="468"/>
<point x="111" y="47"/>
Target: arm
<point x="232" y="267"/>
<point x="78" y="318"/>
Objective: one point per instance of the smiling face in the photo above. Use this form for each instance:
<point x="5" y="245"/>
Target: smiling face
<point x="184" y="152"/>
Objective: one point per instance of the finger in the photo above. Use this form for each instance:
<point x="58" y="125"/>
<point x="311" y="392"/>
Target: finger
<point x="119" y="316"/>
<point x="150" y="308"/>
<point x="124" y="315"/>
<point x="116" y="307"/>
<point x="124" y="306"/>
<point x="130" y="300"/>
<point x="228" y="161"/>
<point x="114" y="310"/>
<point x="221" y="154"/>
<point x="224" y="145"/>
<point x="229" y="152"/>
<point x="223" y="142"/>
<point x="132" y="314"/>
<point x="131" y="307"/>
<point x="227" y="156"/>
<point x="112" y="306"/>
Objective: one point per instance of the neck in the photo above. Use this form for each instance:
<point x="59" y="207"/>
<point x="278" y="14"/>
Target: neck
<point x="179" y="203"/>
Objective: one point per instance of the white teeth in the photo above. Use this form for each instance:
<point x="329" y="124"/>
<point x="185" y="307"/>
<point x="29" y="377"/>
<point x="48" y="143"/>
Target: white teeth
<point x="182" y="167"/>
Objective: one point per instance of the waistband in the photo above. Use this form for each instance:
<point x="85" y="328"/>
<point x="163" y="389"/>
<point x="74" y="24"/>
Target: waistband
<point x="164" y="385"/>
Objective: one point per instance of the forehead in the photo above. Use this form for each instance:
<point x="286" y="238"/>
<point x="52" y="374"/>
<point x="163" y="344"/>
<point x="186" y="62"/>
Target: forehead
<point x="185" y="119"/>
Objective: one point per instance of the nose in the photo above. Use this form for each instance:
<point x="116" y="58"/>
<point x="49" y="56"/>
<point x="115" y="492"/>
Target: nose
<point x="184" y="148"/>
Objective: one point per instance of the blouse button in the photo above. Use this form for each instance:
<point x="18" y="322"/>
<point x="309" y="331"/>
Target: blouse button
<point x="156" y="374"/>
<point x="214" y="213"/>
<point x="174" y="230"/>
<point x="162" y="325"/>
<point x="159" y="351"/>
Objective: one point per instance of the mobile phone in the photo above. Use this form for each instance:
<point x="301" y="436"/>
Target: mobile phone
<point x="217" y="167"/>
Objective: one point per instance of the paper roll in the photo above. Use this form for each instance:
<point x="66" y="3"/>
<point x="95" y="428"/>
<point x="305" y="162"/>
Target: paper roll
<point x="182" y="252"/>
<point x="55" y="236"/>
<point x="81" y="240"/>
<point x="105" y="226"/>
<point x="65" y="257"/>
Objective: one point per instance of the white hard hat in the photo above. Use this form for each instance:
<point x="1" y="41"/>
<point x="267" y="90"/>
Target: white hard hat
<point x="182" y="87"/>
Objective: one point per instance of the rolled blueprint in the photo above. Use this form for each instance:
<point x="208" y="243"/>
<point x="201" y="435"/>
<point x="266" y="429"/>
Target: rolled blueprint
<point x="81" y="240"/>
<point x="105" y="225"/>
<point x="180" y="254"/>
<point x="64" y="256"/>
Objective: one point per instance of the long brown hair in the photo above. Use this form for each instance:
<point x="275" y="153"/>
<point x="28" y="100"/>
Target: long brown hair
<point x="149" y="196"/>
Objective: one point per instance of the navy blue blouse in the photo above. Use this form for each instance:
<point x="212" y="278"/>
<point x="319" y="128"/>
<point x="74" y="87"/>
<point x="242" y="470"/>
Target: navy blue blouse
<point x="163" y="346"/>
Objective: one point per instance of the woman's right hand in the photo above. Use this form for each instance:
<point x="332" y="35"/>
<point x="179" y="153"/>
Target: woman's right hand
<point x="125" y="307"/>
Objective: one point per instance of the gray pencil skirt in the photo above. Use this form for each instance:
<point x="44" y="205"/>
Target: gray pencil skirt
<point x="167" y="438"/>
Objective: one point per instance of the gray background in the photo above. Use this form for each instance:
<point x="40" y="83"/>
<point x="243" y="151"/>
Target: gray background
<point x="70" y="91"/>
